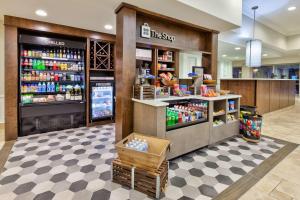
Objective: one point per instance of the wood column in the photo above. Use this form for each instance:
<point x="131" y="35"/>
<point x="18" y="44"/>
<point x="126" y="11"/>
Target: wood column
<point x="125" y="70"/>
<point x="11" y="83"/>
<point x="214" y="56"/>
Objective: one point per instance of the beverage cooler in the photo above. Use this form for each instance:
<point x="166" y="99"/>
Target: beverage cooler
<point x="102" y="103"/>
<point x="51" y="83"/>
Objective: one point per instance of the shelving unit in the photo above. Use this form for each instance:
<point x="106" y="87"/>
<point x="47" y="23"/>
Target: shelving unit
<point x="51" y="83"/>
<point x="155" y="59"/>
<point x="229" y="127"/>
<point x="101" y="55"/>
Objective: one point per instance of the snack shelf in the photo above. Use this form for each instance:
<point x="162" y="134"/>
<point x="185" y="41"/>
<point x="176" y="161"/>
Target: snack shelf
<point x="50" y="103"/>
<point x="56" y="59"/>
<point x="58" y="71"/>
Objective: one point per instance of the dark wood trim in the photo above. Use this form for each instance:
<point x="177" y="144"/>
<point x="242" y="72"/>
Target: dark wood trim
<point x="55" y="28"/>
<point x="4" y="153"/>
<point x="125" y="71"/>
<point x="11" y="83"/>
<point x="87" y="71"/>
<point x="162" y="17"/>
<point x="240" y="187"/>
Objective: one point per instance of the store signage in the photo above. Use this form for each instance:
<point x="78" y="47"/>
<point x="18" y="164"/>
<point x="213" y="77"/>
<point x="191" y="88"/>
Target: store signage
<point x="57" y="43"/>
<point x="147" y="32"/>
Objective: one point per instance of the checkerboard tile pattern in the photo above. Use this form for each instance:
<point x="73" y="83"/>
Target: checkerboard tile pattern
<point x="75" y="164"/>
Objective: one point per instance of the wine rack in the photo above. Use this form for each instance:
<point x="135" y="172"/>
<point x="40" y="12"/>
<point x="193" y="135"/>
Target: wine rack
<point x="101" y="55"/>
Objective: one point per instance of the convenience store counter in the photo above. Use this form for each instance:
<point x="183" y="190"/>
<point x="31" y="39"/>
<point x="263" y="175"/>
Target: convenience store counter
<point x="150" y="119"/>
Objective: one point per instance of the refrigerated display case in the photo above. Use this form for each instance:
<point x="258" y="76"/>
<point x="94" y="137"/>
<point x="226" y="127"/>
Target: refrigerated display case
<point x="101" y="100"/>
<point x="51" y="83"/>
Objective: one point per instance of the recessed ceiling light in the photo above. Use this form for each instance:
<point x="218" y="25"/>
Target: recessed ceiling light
<point x="224" y="55"/>
<point x="108" y="27"/>
<point x="237" y="48"/>
<point x="292" y="8"/>
<point x="41" y="13"/>
<point x="265" y="55"/>
<point x="236" y="57"/>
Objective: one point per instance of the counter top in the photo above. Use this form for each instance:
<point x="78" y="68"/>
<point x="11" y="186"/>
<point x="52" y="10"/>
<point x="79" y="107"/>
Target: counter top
<point x="161" y="102"/>
<point x="257" y="79"/>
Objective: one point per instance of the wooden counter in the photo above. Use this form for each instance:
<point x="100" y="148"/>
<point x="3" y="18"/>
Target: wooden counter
<point x="266" y="94"/>
<point x="150" y="119"/>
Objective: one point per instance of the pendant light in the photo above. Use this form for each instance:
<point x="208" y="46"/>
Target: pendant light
<point x="253" y="47"/>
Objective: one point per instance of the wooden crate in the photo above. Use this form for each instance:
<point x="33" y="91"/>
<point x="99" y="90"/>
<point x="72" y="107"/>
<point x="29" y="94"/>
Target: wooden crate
<point x="151" y="160"/>
<point x="147" y="182"/>
<point x="143" y="92"/>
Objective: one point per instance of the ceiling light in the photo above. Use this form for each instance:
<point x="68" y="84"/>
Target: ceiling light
<point x="224" y="55"/>
<point x="237" y="48"/>
<point x="291" y="8"/>
<point x="41" y="13"/>
<point x="253" y="47"/>
<point x="108" y="27"/>
<point x="265" y="55"/>
<point x="236" y="57"/>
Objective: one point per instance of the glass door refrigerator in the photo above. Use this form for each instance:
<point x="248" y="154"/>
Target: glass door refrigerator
<point x="102" y="98"/>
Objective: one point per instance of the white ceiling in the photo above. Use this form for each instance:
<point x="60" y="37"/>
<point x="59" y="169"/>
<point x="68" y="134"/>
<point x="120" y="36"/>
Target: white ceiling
<point x="274" y="14"/>
<point x="94" y="14"/>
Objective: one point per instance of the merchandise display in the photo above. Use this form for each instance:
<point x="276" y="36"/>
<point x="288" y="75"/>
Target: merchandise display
<point x="231" y="105"/>
<point x="219" y="112"/>
<point x="218" y="123"/>
<point x="184" y="113"/>
<point x="49" y="74"/>
<point x="231" y="117"/>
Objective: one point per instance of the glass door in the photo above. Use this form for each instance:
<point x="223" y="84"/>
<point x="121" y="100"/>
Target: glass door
<point x="102" y="102"/>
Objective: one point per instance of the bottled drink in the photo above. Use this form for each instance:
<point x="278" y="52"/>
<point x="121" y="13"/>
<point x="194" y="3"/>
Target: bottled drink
<point x="51" y="54"/>
<point x="68" y="54"/>
<point x="57" y="87"/>
<point x="60" y="53"/>
<point x="79" y="55"/>
<point x="64" y="54"/>
<point x="47" y="53"/>
<point x="44" y="54"/>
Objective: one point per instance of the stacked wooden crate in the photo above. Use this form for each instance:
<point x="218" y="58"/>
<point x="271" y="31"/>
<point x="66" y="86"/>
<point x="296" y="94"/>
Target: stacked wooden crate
<point x="143" y="92"/>
<point x="146" y="172"/>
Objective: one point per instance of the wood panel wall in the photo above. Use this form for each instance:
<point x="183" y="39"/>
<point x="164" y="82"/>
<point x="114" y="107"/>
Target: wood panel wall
<point x="275" y="95"/>
<point x="263" y="96"/>
<point x="266" y="95"/>
<point x="247" y="90"/>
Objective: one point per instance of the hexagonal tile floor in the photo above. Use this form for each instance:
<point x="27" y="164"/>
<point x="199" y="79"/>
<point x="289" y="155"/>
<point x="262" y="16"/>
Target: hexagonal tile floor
<point x="75" y="164"/>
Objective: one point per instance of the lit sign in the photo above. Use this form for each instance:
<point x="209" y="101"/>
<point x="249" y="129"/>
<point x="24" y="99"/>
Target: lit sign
<point x="146" y="32"/>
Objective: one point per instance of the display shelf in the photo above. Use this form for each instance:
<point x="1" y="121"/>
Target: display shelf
<point x="232" y="111"/>
<point x="43" y="93"/>
<point x="58" y="71"/>
<point x="55" y="59"/>
<point x="62" y="82"/>
<point x="165" y="61"/>
<point x="219" y="114"/>
<point x="181" y="125"/>
<point x="51" y="103"/>
<point x="144" y="59"/>
<point x="167" y="70"/>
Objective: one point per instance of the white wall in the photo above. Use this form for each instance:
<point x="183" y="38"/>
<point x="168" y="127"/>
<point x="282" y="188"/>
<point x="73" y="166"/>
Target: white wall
<point x="224" y="69"/>
<point x="229" y="10"/>
<point x="1" y="72"/>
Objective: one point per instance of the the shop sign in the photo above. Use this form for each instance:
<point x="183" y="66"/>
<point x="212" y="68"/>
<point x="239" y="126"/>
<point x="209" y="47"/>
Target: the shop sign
<point x="147" y="32"/>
